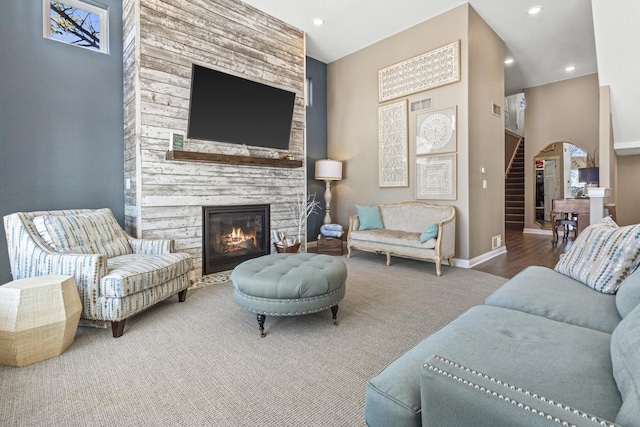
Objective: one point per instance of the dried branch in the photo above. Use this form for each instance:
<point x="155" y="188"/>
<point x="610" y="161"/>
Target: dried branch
<point x="301" y="209"/>
<point x="591" y="159"/>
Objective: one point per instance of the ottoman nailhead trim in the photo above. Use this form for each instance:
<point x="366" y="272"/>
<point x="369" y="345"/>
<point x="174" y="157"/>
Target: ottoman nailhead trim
<point x="289" y="300"/>
<point x="297" y="313"/>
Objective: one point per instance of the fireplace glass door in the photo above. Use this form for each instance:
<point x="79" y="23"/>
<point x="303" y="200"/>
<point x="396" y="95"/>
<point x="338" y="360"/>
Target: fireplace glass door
<point x="233" y="234"/>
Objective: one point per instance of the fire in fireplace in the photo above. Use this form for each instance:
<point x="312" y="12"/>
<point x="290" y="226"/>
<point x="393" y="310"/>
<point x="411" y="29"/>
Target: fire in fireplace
<point x="233" y="234"/>
<point x="238" y="241"/>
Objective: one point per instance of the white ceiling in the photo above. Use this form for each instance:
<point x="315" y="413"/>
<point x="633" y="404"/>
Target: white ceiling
<point x="616" y="30"/>
<point x="542" y="45"/>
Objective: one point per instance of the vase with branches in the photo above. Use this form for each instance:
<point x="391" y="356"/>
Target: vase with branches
<point x="300" y="209"/>
<point x="591" y="159"/>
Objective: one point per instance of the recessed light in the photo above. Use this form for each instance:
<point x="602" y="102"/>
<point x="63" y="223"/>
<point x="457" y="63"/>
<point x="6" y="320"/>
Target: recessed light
<point x="508" y="61"/>
<point x="534" y="10"/>
<point x="318" y="21"/>
<point x="570" y="68"/>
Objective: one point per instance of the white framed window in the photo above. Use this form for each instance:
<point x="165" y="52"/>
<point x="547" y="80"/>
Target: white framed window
<point x="78" y="23"/>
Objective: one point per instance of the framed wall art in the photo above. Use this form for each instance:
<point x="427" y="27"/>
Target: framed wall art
<point x="436" y="131"/>
<point x="436" y="177"/>
<point x="429" y="70"/>
<point x="393" y="158"/>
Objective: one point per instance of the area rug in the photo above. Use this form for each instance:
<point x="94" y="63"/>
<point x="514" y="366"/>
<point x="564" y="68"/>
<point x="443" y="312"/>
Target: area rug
<point x="202" y="362"/>
<point x="212" y="279"/>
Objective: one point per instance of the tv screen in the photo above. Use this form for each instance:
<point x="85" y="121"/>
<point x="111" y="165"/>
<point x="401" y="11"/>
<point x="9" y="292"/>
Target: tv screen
<point x="227" y="108"/>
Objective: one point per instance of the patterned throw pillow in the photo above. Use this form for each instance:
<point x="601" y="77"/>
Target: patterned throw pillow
<point x="602" y="255"/>
<point x="95" y="232"/>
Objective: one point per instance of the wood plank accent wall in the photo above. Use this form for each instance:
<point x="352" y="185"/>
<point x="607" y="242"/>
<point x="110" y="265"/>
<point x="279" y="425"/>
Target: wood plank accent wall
<point x="162" y="39"/>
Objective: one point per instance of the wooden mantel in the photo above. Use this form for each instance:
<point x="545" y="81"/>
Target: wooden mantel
<point x="193" y="156"/>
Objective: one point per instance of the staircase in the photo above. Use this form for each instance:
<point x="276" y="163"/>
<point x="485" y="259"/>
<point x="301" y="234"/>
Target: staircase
<point x="514" y="192"/>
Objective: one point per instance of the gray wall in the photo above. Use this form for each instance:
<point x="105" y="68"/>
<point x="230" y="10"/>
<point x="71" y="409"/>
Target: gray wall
<point x="316" y="139"/>
<point x="61" y="119"/>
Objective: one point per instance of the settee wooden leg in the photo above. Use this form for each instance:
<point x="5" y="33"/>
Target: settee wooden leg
<point x="438" y="267"/>
<point x="182" y="295"/>
<point x="334" y="312"/>
<point x="348" y="251"/>
<point x="450" y="261"/>
<point x="261" y="318"/>
<point x="117" y="328"/>
<point x="388" y="259"/>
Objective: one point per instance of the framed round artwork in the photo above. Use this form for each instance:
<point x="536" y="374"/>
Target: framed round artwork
<point x="436" y="131"/>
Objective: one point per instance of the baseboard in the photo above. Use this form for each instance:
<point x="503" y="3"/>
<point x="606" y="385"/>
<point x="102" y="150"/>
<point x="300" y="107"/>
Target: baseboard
<point x="457" y="262"/>
<point x="537" y="231"/>
<point x="470" y="263"/>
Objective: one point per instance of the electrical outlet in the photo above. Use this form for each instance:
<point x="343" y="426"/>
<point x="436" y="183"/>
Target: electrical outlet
<point x="484" y="183"/>
<point x="496" y="242"/>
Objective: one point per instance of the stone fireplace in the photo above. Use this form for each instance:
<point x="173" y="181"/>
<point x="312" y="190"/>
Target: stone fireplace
<point x="165" y="194"/>
<point x="233" y="234"/>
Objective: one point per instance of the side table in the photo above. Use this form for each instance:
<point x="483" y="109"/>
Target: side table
<point x="38" y="318"/>
<point x="330" y="245"/>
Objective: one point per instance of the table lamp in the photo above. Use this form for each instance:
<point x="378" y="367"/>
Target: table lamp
<point x="328" y="170"/>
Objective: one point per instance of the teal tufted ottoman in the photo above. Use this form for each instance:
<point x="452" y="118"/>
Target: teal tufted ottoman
<point x="289" y="285"/>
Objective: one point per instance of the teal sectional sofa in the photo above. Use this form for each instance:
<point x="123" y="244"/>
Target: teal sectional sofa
<point x="543" y="350"/>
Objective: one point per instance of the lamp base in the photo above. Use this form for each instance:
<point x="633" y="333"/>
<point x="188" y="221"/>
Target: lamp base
<point x="327" y="217"/>
<point x="327" y="199"/>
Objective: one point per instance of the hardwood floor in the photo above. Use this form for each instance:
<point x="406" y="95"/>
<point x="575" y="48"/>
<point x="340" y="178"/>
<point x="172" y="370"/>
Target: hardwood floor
<point x="524" y="250"/>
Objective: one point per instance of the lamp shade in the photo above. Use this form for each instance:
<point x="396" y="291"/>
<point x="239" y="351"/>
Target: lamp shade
<point x="329" y="170"/>
<point x="589" y="174"/>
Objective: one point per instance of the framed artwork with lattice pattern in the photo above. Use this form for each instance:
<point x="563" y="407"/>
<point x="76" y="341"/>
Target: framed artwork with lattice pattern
<point x="436" y="131"/>
<point x="436" y="177"/>
<point x="393" y="152"/>
<point x="432" y="69"/>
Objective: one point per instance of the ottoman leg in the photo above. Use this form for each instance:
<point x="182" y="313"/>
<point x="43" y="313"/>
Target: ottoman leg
<point x="334" y="311"/>
<point x="261" y="318"/>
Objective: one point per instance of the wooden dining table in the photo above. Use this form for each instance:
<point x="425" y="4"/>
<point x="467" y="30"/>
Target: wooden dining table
<point x="575" y="207"/>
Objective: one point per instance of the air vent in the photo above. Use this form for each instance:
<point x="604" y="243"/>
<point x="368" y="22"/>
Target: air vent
<point x="423" y="104"/>
<point x="496" y="109"/>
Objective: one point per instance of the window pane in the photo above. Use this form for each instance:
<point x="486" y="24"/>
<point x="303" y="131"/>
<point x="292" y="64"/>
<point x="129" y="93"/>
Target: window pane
<point x="75" y="25"/>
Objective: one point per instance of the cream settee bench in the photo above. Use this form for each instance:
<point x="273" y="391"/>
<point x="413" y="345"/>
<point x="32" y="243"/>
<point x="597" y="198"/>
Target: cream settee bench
<point x="403" y="224"/>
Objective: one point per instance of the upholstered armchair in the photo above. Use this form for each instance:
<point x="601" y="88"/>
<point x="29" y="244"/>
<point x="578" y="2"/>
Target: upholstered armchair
<point x="117" y="276"/>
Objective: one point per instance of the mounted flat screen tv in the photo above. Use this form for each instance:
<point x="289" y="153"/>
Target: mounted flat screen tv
<point x="227" y="108"/>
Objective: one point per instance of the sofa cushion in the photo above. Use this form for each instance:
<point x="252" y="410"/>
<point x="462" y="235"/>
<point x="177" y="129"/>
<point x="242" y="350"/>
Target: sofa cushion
<point x="544" y="292"/>
<point x="413" y="216"/>
<point x="431" y="232"/>
<point x="129" y="274"/>
<point x="625" y="357"/>
<point x="95" y="232"/>
<point x="563" y="362"/>
<point x="602" y="255"/>
<point x="369" y="217"/>
<point x="628" y="295"/>
<point x="392" y="237"/>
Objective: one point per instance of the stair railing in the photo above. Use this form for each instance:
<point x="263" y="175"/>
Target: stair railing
<point x="513" y="156"/>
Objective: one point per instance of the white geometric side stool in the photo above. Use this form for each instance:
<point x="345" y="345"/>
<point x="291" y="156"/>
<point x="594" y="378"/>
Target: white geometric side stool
<point x="38" y="318"/>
